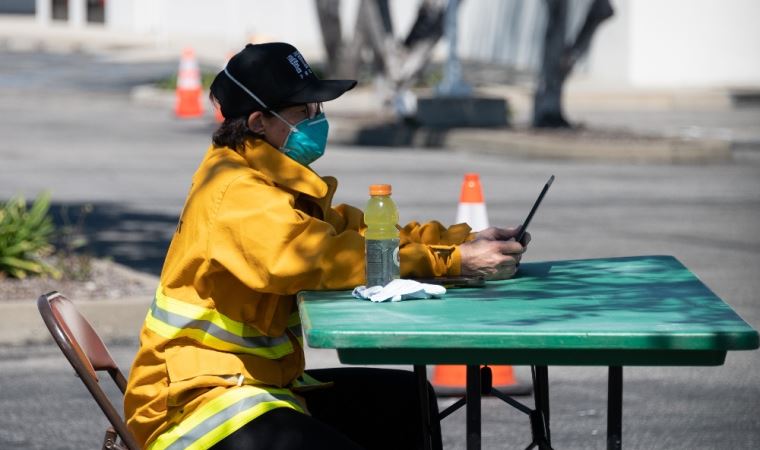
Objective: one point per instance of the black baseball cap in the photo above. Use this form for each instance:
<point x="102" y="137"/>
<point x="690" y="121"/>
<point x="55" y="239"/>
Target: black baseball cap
<point x="274" y="73"/>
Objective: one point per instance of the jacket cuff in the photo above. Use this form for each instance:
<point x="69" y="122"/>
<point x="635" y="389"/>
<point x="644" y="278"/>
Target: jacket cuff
<point x="447" y="260"/>
<point x="455" y="263"/>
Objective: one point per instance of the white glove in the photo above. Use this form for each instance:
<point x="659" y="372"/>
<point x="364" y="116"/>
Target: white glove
<point x="398" y="290"/>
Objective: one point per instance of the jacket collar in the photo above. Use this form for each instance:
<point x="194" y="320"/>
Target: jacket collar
<point x="283" y="170"/>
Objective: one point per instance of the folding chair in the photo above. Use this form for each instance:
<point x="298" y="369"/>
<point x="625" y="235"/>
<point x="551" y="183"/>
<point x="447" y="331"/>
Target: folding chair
<point x="87" y="354"/>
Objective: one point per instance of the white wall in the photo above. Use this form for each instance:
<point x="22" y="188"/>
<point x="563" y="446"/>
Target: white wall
<point x="227" y="24"/>
<point x="609" y="61"/>
<point x="713" y="42"/>
<point x="233" y="23"/>
<point x="649" y="43"/>
<point x="679" y="44"/>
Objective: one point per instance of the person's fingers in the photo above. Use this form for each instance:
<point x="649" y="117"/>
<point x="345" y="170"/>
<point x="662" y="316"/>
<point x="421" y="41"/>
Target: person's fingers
<point x="505" y="234"/>
<point x="505" y="261"/>
<point x="489" y="234"/>
<point x="503" y="272"/>
<point x="510" y="269"/>
<point x="494" y="259"/>
<point x="526" y="239"/>
<point x="509" y="247"/>
<point x="498" y="234"/>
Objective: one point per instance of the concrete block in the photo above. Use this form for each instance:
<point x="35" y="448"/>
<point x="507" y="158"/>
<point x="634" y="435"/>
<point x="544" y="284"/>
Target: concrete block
<point x="452" y="112"/>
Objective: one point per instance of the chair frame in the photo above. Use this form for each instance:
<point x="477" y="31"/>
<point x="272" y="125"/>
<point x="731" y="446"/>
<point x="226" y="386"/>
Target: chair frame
<point x="87" y="354"/>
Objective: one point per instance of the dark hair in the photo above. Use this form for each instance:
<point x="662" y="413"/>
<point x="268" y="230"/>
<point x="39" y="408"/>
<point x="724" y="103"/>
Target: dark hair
<point x="233" y="132"/>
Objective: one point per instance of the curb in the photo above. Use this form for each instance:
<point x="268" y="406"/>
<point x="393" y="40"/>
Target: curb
<point x="561" y="145"/>
<point x="114" y="320"/>
<point x="551" y="144"/>
<point x="21" y="33"/>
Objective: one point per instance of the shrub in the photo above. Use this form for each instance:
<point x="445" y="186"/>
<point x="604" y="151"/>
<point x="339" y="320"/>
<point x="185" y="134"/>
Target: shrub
<point x="70" y="242"/>
<point x="25" y="235"/>
<point x="170" y="83"/>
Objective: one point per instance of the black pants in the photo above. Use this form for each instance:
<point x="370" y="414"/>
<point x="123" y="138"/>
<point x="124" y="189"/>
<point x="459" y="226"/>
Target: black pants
<point x="365" y="409"/>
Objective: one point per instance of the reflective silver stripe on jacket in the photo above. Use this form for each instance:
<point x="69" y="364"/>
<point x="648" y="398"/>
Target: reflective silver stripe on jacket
<point x="218" y="419"/>
<point x="179" y="321"/>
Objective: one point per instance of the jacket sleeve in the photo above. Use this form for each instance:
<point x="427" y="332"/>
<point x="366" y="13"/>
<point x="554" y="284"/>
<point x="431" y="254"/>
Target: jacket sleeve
<point x="432" y="249"/>
<point x="346" y="217"/>
<point x="270" y="246"/>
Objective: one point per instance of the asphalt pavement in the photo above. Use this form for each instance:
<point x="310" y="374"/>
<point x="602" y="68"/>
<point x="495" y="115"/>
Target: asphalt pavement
<point x="90" y="142"/>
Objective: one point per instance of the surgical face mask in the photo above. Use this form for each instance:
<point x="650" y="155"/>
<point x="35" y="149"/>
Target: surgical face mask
<point x="307" y="139"/>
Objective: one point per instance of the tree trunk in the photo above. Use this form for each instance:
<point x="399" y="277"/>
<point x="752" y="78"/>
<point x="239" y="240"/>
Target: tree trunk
<point x="428" y="24"/>
<point x="328" y="12"/>
<point x="559" y="59"/>
<point x="599" y="11"/>
<point x="425" y="33"/>
<point x="547" y="103"/>
<point x="397" y="65"/>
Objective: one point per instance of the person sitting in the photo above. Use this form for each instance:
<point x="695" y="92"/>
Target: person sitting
<point x="221" y="360"/>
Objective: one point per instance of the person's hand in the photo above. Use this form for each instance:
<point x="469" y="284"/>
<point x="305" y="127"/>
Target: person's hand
<point x="492" y="259"/>
<point x="502" y="234"/>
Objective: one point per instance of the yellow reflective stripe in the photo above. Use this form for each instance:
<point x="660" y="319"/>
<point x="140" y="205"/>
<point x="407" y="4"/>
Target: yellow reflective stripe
<point x="235" y="423"/>
<point x="198" y="312"/>
<point x="222" y="416"/>
<point x="173" y="318"/>
<point x="294" y="319"/>
<point x="169" y="332"/>
<point x="294" y="325"/>
<point x="306" y="380"/>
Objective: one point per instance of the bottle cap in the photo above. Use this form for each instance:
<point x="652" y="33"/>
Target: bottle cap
<point x="380" y="189"/>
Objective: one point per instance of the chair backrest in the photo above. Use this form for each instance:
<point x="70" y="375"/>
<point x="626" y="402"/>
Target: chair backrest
<point x="87" y="354"/>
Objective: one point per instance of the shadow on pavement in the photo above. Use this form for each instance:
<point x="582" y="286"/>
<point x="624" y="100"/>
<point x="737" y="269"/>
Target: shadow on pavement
<point x="138" y="240"/>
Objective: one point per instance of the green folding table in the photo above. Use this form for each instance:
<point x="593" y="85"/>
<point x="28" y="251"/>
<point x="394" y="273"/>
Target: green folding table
<point x="632" y="311"/>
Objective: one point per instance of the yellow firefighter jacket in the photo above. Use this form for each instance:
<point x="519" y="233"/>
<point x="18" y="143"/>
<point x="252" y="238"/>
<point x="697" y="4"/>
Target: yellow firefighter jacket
<point x="221" y="343"/>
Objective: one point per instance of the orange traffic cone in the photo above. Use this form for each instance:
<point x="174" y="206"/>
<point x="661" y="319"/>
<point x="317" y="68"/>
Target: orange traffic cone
<point x="189" y="88"/>
<point x="452" y="380"/>
<point x="472" y="206"/>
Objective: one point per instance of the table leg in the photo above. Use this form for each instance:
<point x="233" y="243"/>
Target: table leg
<point x="615" y="408"/>
<point x="541" y="388"/>
<point x="421" y="372"/>
<point x="473" y="407"/>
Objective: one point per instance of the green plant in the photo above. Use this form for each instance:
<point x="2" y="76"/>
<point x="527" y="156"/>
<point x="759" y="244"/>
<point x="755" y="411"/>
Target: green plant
<point x="75" y="263"/>
<point x="25" y="235"/>
<point x="170" y="83"/>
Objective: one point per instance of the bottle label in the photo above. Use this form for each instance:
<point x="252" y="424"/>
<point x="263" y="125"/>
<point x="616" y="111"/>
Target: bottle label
<point x="383" y="264"/>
